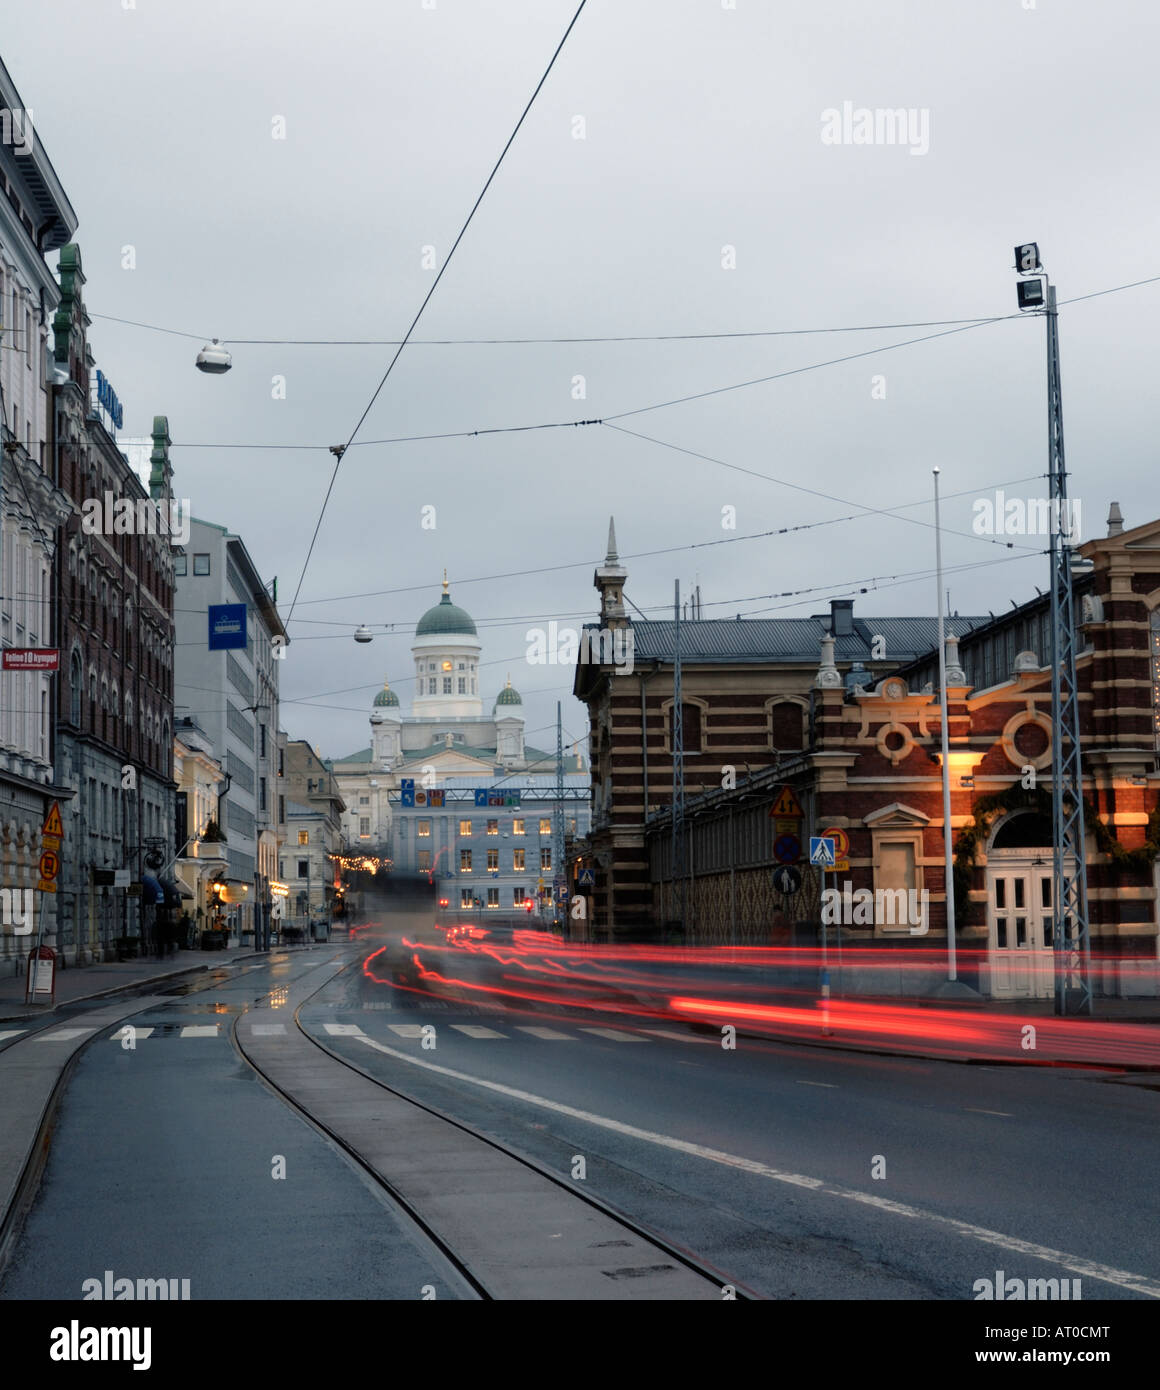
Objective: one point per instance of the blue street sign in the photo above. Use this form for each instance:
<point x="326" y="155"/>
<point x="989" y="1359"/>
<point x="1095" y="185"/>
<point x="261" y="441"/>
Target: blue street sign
<point x="227" y="626"/>
<point x="481" y="796"/>
<point x="587" y="878"/>
<point x="821" y="852"/>
<point x="407" y="791"/>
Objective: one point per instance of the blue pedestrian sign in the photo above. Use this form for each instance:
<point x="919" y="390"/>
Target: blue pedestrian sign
<point x="821" y="852"/>
<point x="407" y="791"/>
<point x="587" y="878"/>
<point x="227" y="626"/>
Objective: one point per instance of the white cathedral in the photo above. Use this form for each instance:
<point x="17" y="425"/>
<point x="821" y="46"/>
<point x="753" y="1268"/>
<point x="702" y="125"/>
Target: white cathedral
<point x="446" y="741"/>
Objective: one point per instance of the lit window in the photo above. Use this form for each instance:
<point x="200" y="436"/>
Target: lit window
<point x="465" y="827"/>
<point x="493" y="897"/>
<point x="304" y="837"/>
<point x="464" y="861"/>
<point x="493" y="859"/>
<point x="546" y="857"/>
<point x="465" y="897"/>
<point x="425" y="859"/>
<point x="424" y="830"/>
<point x="493" y="827"/>
<point x="545" y="825"/>
<point x="518" y="897"/>
<point x="518" y="826"/>
<point x="447" y="666"/>
<point x="518" y="859"/>
<point x="364" y="827"/>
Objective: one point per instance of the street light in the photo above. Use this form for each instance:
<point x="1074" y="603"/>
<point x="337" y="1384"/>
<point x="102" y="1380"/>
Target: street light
<point x="214" y="359"/>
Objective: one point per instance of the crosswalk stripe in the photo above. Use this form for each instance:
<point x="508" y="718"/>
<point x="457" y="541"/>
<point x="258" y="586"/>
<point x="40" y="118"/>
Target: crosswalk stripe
<point x="407" y="1030"/>
<point x="130" y="1030"/>
<point x="12" y="1033"/>
<point x="475" y="1030"/>
<point x="343" y="1030"/>
<point x="615" y="1034"/>
<point x="63" y="1034"/>
<point x="267" y="1030"/>
<point x="200" y="1030"/>
<point x="680" y="1037"/>
<point x="549" y="1034"/>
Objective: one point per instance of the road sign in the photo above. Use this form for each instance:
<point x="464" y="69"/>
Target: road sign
<point x="481" y="796"/>
<point x="227" y="626"/>
<point x="787" y="825"/>
<point x="787" y="879"/>
<point x="53" y="824"/>
<point x="787" y="804"/>
<point x="787" y="849"/>
<point x="407" y="791"/>
<point x="841" y="848"/>
<point x="587" y="878"/>
<point x="821" y="852"/>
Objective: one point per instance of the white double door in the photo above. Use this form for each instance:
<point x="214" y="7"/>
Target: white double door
<point x="1021" y="925"/>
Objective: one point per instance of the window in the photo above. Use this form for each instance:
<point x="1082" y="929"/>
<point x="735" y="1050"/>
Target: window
<point x="493" y="827"/>
<point x="425" y="859"/>
<point x="518" y="826"/>
<point x="76" y="688"/>
<point x="447" y="685"/>
<point x="201" y="564"/>
<point x="896" y="875"/>
<point x="462" y="686"/>
<point x="546" y="857"/>
<point x="785" y="727"/>
<point x="432" y="683"/>
<point x="465" y="898"/>
<point x="465" y="827"/>
<point x="518" y="859"/>
<point x="364" y="827"/>
<point x="304" y="868"/>
<point x="493" y="859"/>
<point x="545" y="825"/>
<point x="518" y="895"/>
<point x="464" y="861"/>
<point x="181" y="565"/>
<point x="447" y="665"/>
<point x="261" y="793"/>
<point x="473" y="689"/>
<point x="304" y="837"/>
<point x="364" y="801"/>
<point x="424" y="830"/>
<point x="690" y="727"/>
<point x="493" y="897"/>
<point x="261" y="740"/>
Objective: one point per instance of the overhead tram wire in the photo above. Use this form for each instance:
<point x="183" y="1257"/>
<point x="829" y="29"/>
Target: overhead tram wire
<point x="426" y="300"/>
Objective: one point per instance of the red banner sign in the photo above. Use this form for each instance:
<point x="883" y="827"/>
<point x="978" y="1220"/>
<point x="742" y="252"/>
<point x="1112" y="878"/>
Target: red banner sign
<point x="31" y="659"/>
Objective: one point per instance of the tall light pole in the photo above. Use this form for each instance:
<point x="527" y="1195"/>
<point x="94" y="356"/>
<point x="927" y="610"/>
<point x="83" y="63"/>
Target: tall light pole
<point x="1070" y="939"/>
<point x="948" y="846"/>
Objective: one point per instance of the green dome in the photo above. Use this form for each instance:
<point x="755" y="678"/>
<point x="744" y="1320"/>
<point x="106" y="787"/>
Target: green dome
<point x="508" y="695"/>
<point x="386" y="696"/>
<point x="445" y="617"/>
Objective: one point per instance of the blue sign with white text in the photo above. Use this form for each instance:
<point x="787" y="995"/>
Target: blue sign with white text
<point x="227" y="626"/>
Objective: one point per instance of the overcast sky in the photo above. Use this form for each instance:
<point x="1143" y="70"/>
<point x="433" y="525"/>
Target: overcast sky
<point x="703" y="130"/>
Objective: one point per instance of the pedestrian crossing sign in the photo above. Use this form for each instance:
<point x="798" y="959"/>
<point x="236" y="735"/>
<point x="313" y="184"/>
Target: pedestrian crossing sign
<point x="821" y="852"/>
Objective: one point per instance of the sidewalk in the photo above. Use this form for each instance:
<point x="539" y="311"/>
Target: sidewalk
<point x="95" y="981"/>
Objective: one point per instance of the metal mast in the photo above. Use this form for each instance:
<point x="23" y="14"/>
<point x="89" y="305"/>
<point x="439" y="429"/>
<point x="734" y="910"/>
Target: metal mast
<point x="678" y="726"/>
<point x="1071" y="939"/>
<point x="1073" y="990"/>
<point x="560" y="881"/>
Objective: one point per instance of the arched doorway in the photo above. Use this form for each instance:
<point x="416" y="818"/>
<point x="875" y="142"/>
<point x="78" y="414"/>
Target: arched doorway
<point x="1020" y="919"/>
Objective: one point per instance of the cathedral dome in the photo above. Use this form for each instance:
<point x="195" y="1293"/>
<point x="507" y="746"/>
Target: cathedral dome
<point x="386" y="696"/>
<point x="508" y="695"/>
<point x="445" y="618"/>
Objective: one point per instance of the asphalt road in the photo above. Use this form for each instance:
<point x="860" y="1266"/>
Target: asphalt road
<point x="761" y="1160"/>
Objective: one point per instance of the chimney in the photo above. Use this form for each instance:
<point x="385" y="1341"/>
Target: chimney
<point x="841" y="616"/>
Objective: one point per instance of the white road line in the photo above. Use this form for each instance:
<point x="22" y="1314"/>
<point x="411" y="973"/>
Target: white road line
<point x="63" y="1034"/>
<point x="476" y="1030"/>
<point x="1006" y="1114"/>
<point x="344" y="1030"/>
<point x="268" y="1030"/>
<point x="404" y="1030"/>
<point x="548" y="1034"/>
<point x="200" y="1030"/>
<point x="1138" y="1283"/>
<point x="615" y="1034"/>
<point x="12" y="1033"/>
<point x="130" y="1030"/>
<point x="680" y="1037"/>
<point x="829" y="1085"/>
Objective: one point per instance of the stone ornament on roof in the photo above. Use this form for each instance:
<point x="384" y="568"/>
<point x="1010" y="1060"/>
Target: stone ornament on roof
<point x="828" y="677"/>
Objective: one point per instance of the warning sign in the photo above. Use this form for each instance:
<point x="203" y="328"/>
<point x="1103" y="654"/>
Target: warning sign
<point x="787" y="804"/>
<point x="52" y="822"/>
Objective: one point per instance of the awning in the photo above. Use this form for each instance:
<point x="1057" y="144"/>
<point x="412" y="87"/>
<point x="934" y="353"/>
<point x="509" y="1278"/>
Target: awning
<point x="175" y="891"/>
<point x="154" y="893"/>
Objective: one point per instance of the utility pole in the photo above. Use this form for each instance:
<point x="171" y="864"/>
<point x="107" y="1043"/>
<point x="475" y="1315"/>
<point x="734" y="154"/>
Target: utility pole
<point x="559" y="878"/>
<point x="1071" y="939"/>
<point x="678" y="727"/>
<point x="948" y="834"/>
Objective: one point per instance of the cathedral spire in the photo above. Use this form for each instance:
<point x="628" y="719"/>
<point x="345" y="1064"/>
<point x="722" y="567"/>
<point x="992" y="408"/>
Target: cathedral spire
<point x="612" y="558"/>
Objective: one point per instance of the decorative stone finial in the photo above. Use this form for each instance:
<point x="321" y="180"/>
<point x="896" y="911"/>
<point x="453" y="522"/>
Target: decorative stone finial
<point x="828" y="677"/>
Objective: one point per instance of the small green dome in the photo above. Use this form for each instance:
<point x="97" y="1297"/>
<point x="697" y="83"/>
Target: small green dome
<point x="508" y="695"/>
<point x="445" y="617"/>
<point x="386" y="696"/>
